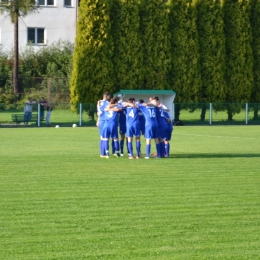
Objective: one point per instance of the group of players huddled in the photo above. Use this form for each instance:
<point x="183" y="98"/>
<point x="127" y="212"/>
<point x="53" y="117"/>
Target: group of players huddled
<point x="135" y="119"/>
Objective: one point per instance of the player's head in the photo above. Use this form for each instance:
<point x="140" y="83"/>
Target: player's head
<point x="141" y="101"/>
<point x="131" y="100"/>
<point x="114" y="100"/>
<point x="106" y="96"/>
<point x="156" y="100"/>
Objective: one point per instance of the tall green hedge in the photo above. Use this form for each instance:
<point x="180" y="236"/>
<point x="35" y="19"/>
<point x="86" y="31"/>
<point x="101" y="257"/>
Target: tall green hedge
<point x="93" y="71"/>
<point x="128" y="55"/>
<point x="212" y="50"/>
<point x="255" y="23"/>
<point x="239" y="58"/>
<point x="156" y="44"/>
<point x="205" y="50"/>
<point x="185" y="73"/>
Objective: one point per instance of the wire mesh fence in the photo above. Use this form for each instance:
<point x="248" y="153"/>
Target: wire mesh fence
<point x="86" y="114"/>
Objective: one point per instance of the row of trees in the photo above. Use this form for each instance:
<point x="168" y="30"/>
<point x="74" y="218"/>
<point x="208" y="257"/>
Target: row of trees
<point x="205" y="50"/>
<point x="53" y="61"/>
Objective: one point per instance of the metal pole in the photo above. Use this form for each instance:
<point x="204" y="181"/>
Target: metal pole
<point x="210" y="113"/>
<point x="246" y="113"/>
<point x="80" y="114"/>
<point x="39" y="114"/>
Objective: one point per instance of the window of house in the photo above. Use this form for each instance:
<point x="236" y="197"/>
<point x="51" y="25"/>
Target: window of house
<point x="45" y="2"/>
<point x="67" y="2"/>
<point x="36" y="35"/>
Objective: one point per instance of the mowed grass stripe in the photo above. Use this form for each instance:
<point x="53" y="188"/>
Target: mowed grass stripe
<point x="67" y="203"/>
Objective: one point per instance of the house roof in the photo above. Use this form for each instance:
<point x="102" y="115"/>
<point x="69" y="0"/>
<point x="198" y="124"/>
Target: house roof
<point x="145" y="92"/>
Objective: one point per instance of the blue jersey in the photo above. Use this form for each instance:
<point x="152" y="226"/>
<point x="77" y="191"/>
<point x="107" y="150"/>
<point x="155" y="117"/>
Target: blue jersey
<point x="132" y="116"/>
<point x="161" y="117"/>
<point x="149" y="113"/>
<point x="112" y="116"/>
<point x="101" y="110"/>
<point x="122" y="117"/>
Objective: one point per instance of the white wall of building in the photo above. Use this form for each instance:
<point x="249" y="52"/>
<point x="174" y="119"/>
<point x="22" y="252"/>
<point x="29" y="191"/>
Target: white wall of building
<point x="58" y="21"/>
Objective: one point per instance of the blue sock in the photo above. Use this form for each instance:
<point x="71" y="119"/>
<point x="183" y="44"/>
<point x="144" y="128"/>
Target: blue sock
<point x="162" y="149"/>
<point x="100" y="146"/>
<point x="122" y="146"/>
<point x="138" y="147"/>
<point x="130" y="148"/>
<point x="167" y="149"/>
<point x="148" y="148"/>
<point x="158" y="150"/>
<point x="103" y="147"/>
<point x="116" y="147"/>
<point x="106" y="142"/>
<point x="113" y="146"/>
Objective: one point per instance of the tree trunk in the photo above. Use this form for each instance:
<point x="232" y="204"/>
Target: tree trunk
<point x="177" y="112"/>
<point x="230" y="116"/>
<point x="255" y="114"/>
<point x="203" y="113"/>
<point x="15" y="69"/>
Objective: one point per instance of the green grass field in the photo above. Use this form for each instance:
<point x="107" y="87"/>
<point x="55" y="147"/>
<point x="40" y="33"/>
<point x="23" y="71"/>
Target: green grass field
<point x="59" y="200"/>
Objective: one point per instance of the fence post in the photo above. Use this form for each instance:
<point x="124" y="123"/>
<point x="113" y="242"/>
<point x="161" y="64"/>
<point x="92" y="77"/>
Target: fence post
<point x="210" y="113"/>
<point x="246" y="113"/>
<point x="80" y="114"/>
<point x="39" y="114"/>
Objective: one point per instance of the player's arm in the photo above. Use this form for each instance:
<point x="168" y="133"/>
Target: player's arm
<point x="127" y="104"/>
<point x="164" y="107"/>
<point x="149" y="104"/>
<point x="115" y="109"/>
<point x="111" y="106"/>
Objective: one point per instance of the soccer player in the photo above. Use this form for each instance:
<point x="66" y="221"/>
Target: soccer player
<point x="122" y="127"/>
<point x="101" y="105"/>
<point x="169" y="130"/>
<point x="110" y="128"/>
<point x="162" y="124"/>
<point x="151" y="126"/>
<point x="132" y="127"/>
<point x="141" y="118"/>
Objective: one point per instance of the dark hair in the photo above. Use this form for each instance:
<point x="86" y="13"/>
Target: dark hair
<point x="141" y="101"/>
<point x="106" y="93"/>
<point x="113" y="100"/>
<point x="156" y="98"/>
<point x="131" y="100"/>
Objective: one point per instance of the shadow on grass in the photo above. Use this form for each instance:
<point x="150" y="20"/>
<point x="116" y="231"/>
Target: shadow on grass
<point x="215" y="155"/>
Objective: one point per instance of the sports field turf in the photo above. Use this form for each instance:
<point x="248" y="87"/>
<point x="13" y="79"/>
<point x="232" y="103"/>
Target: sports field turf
<point x="59" y="200"/>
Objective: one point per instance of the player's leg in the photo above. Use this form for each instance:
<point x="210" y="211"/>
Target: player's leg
<point x="137" y="134"/>
<point x="148" y="136"/>
<point x="122" y="140"/>
<point x="129" y="134"/>
<point x="101" y="142"/>
<point x="114" y="135"/>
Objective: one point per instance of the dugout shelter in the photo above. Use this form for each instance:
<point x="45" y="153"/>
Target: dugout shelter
<point x="166" y="97"/>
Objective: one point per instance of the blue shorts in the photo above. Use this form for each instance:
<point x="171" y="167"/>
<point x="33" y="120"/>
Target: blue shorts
<point x="133" y="130"/>
<point x="169" y="133"/>
<point x="162" y="131"/>
<point x="110" y="130"/>
<point x="151" y="132"/>
<point x="101" y="126"/>
<point x="122" y="129"/>
<point x="142" y="129"/>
